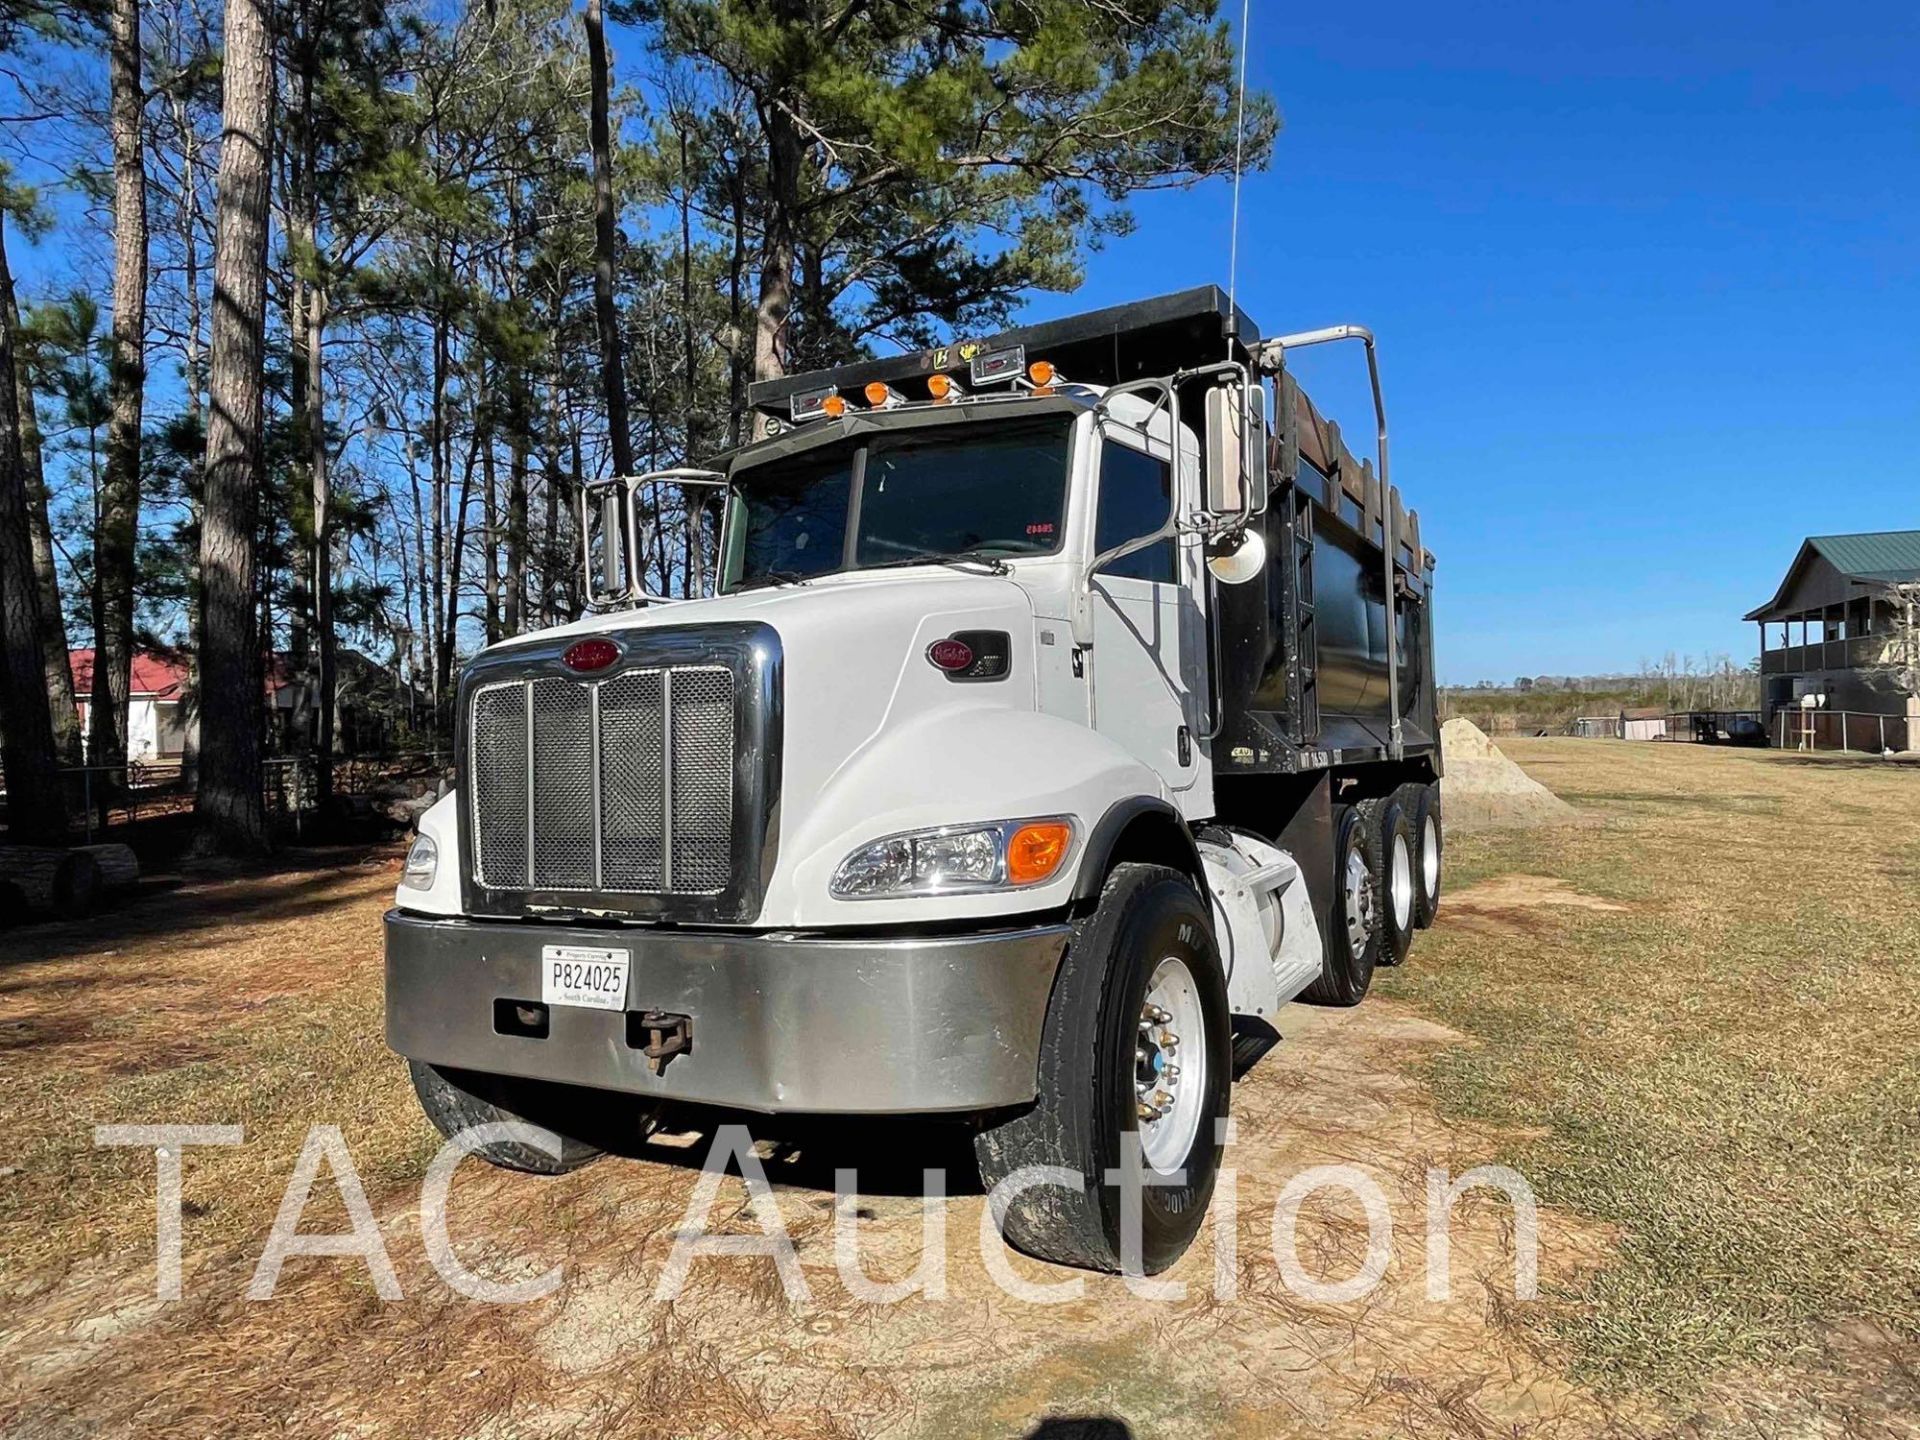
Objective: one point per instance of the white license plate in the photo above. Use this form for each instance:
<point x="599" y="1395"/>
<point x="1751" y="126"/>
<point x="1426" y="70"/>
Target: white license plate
<point x="585" y="976"/>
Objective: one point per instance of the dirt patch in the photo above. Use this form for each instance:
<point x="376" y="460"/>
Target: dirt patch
<point x="1482" y="789"/>
<point x="732" y="1355"/>
<point x="1512" y="904"/>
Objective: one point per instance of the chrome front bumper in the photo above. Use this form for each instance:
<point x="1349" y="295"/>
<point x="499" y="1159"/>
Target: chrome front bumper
<point x="778" y="1022"/>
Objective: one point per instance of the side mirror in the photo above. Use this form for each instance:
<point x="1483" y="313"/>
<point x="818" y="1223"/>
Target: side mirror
<point x="1237" y="449"/>
<point x="619" y="534"/>
<point x="607" y="547"/>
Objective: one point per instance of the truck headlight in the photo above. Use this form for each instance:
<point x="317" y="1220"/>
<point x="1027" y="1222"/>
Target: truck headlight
<point x="956" y="859"/>
<point x="423" y="861"/>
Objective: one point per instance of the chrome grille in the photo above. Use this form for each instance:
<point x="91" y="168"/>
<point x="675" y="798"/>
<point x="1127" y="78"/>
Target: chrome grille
<point x="702" y="750"/>
<point x="500" y="773"/>
<point x="633" y="781"/>
<point x="562" y="785"/>
<point x="623" y="785"/>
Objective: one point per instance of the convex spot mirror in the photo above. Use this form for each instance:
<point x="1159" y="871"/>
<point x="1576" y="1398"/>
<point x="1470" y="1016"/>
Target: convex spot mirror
<point x="1238" y="557"/>
<point x="1237" y="449"/>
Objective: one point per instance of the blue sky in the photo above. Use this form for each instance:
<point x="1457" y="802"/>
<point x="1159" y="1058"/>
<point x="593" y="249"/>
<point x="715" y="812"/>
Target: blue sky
<point x="1647" y="284"/>
<point x="1646" y="279"/>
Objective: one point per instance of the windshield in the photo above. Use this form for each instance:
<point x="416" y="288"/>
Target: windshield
<point x="952" y="491"/>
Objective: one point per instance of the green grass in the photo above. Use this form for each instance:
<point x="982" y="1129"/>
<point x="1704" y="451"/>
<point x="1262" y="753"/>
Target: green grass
<point x="1728" y="1070"/>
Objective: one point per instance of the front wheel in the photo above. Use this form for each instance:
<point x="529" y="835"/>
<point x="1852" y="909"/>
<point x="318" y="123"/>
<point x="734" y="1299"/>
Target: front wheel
<point x="1134" y="1078"/>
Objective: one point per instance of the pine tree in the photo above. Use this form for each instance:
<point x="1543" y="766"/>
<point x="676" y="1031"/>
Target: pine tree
<point x="229" y="801"/>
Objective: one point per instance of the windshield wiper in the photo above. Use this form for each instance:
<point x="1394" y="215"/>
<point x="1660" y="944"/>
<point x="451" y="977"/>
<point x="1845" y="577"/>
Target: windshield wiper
<point x="773" y="577"/>
<point x="953" y="557"/>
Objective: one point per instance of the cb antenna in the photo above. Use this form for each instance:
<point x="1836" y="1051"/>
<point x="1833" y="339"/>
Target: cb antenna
<point x="1239" y="141"/>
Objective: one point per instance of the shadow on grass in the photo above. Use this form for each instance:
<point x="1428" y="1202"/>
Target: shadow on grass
<point x="1850" y="761"/>
<point x="186" y="906"/>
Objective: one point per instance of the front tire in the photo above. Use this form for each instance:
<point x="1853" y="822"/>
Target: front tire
<point x="1353" y="929"/>
<point x="458" y="1100"/>
<point x="1145" y="952"/>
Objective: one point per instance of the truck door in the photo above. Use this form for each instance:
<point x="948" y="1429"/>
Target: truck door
<point x="1149" y="650"/>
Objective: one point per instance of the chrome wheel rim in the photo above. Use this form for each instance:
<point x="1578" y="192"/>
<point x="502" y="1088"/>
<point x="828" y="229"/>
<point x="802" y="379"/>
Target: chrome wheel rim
<point x="1430" y="857"/>
<point x="1400" y="884"/>
<point x="1359" y="896"/>
<point x="1170" y="1078"/>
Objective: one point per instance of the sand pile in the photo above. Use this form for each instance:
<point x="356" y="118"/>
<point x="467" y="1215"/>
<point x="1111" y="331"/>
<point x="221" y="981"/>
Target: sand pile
<point x="1483" y="788"/>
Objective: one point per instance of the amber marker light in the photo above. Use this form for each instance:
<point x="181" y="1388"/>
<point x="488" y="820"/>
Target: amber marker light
<point x="883" y="396"/>
<point x="834" y="406"/>
<point x="1035" y="850"/>
<point x="1042" y="373"/>
<point x="944" y="389"/>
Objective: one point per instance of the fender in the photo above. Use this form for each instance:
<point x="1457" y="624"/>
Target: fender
<point x="439" y="823"/>
<point x="955" y="765"/>
<point x="1162" y="835"/>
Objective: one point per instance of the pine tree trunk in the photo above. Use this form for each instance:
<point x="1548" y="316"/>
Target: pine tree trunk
<point x="441" y="460"/>
<point x="36" y="809"/>
<point x="606" y="315"/>
<point x="324" y="648"/>
<point x="737" y="264"/>
<point x="696" y="438"/>
<point x="557" y="564"/>
<point x="46" y="579"/>
<point x="126" y="380"/>
<point x="489" y="505"/>
<point x="576" y="575"/>
<point x="520" y="444"/>
<point x="229" y="795"/>
<point x="771" y="340"/>
<point x="195" y="382"/>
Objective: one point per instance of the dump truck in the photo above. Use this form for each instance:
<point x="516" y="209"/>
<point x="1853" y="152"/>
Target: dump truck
<point x="1063" y="707"/>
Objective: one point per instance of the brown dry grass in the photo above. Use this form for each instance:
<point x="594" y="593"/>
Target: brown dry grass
<point x="257" y="1001"/>
<point x="1723" y="1064"/>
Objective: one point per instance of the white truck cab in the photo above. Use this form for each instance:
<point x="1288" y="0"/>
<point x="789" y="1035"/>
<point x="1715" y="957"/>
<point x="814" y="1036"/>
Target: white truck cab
<point x="1014" y="754"/>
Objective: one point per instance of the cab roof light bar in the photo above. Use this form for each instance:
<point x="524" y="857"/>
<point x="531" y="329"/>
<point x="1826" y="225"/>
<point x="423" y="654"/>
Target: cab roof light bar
<point x="997" y="367"/>
<point x="812" y="404"/>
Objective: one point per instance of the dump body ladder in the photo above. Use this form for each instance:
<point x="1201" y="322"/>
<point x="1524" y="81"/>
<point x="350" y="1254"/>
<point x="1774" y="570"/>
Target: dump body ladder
<point x="1302" y="636"/>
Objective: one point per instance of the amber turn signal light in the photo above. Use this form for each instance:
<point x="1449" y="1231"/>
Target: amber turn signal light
<point x="1035" y="851"/>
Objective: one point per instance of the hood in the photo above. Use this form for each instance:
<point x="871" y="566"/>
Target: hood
<point x="854" y="663"/>
<point x="835" y="603"/>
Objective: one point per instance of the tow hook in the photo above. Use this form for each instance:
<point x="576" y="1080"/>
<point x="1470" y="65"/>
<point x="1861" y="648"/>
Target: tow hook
<point x="659" y="1035"/>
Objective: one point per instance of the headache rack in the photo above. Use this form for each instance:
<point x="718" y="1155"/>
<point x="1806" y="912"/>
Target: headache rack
<point x="1137" y="341"/>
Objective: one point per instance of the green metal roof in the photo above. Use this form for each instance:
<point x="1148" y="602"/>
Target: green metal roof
<point x="1872" y="557"/>
<point x="1876" y="555"/>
